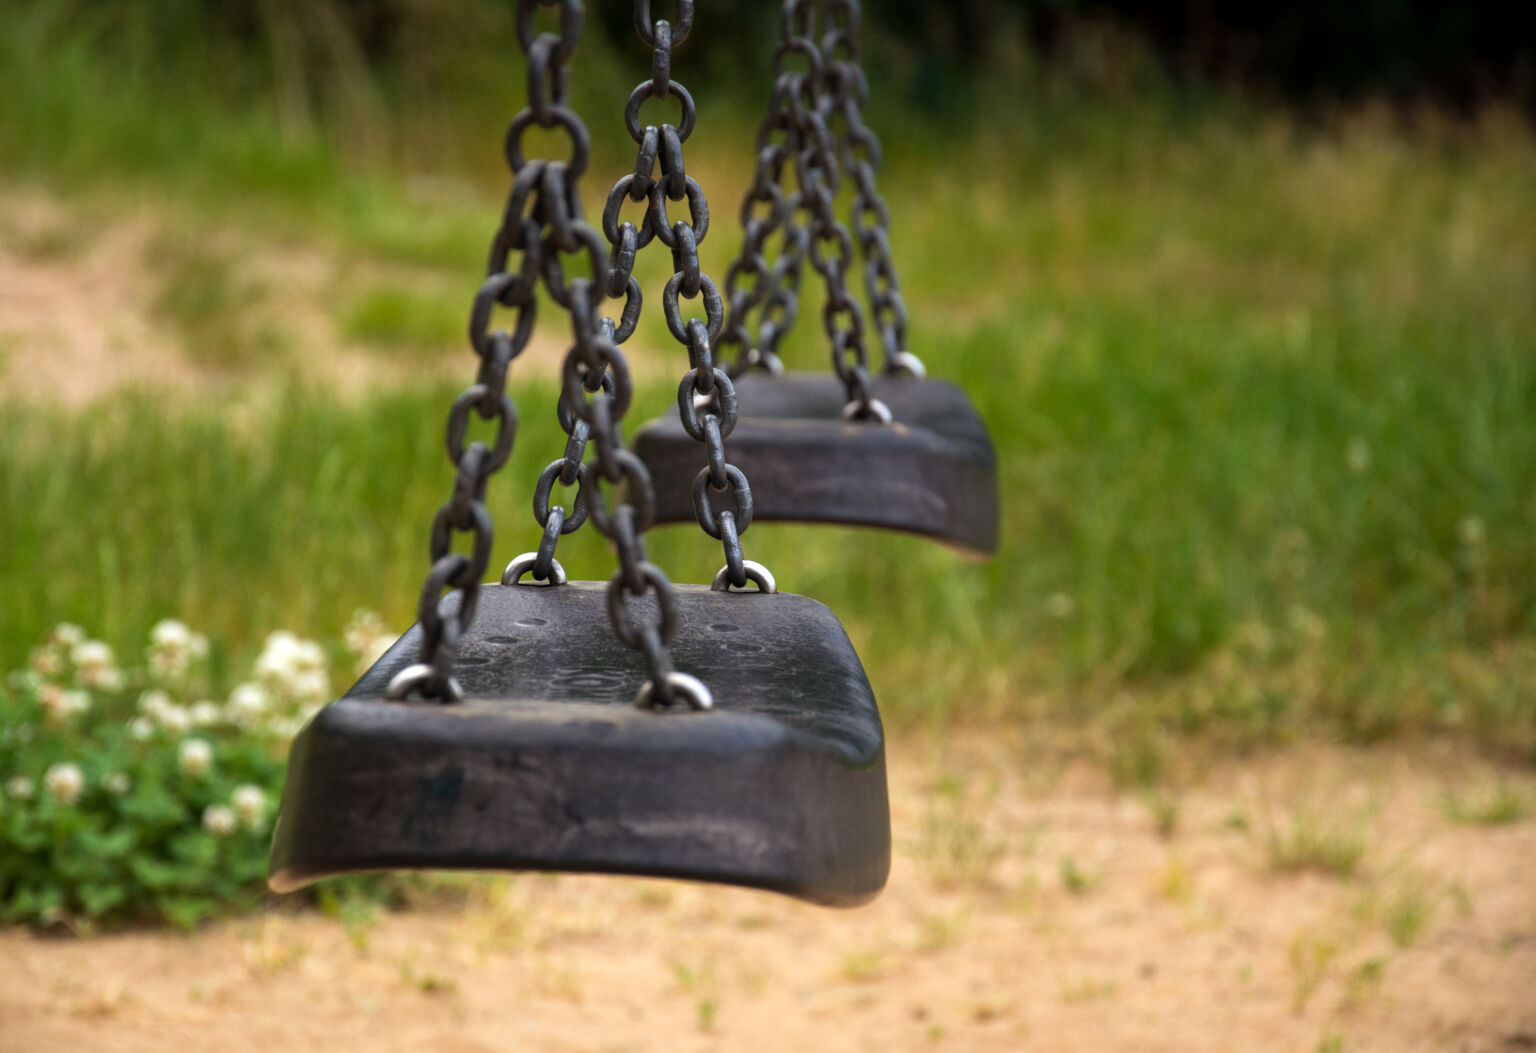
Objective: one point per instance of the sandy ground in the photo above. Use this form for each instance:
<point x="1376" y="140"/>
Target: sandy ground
<point x="1031" y="906"/>
<point x="78" y="318"/>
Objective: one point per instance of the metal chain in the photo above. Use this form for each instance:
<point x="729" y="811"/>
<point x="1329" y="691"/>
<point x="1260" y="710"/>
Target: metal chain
<point x="845" y="90"/>
<point x="548" y="88"/>
<point x="525" y="219"/>
<point x="706" y="398"/>
<point x="798" y="111"/>
<point x="543" y="219"/>
<point x="830" y="249"/>
<point x="767" y="208"/>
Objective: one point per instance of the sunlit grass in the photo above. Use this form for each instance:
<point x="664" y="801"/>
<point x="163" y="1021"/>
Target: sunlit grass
<point x="209" y="303"/>
<point x="1261" y="394"/>
<point x="398" y="317"/>
<point x="1318" y="838"/>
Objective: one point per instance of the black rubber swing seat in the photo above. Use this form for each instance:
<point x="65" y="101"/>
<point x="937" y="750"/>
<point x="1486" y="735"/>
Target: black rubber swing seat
<point x="549" y="765"/>
<point x="932" y="471"/>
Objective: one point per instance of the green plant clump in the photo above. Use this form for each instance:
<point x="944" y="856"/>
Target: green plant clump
<point x="123" y="798"/>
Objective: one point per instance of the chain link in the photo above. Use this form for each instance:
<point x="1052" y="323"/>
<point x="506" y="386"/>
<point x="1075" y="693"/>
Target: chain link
<point x="845" y="90"/>
<point x="796" y="137"/>
<point x="569" y="233"/>
<point x="554" y="225"/>
<point x="543" y="221"/>
<point x="445" y="619"/>
<point x="766" y="208"/>
<point x="706" y="398"/>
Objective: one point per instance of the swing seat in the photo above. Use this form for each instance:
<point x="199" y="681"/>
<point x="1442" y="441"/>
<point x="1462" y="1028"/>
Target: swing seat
<point x="932" y="471"/>
<point x="549" y="765"/>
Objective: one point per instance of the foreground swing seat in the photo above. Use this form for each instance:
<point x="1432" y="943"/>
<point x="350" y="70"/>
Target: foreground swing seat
<point x="931" y="471"/>
<point x="548" y="764"/>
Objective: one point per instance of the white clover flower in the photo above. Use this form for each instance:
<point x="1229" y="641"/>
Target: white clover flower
<point x="367" y="638"/>
<point x="153" y="703"/>
<point x="90" y="653"/>
<point x="117" y="783"/>
<point x="247" y="705"/>
<point x="277" y="654"/>
<point x="64" y="782"/>
<point x="205" y="713"/>
<point x="166" y="665"/>
<point x="218" y="819"/>
<point x="59" y="705"/>
<point x="1060" y="605"/>
<point x="141" y="729"/>
<point x="362" y="628"/>
<point x="173" y="648"/>
<point x="195" y="757"/>
<point x="95" y="665"/>
<point x="310" y="687"/>
<point x="45" y="661"/>
<point x="20" y="788"/>
<point x="170" y="633"/>
<point x="251" y="806"/>
<point x="51" y="698"/>
<point x="293" y="669"/>
<point x="105" y="678"/>
<point x="158" y="706"/>
<point x="67" y="634"/>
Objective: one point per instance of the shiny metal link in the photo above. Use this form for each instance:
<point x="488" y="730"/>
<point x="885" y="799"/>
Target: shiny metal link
<point x="758" y="574"/>
<point x="423" y="677"/>
<point x="524" y="564"/>
<point x="680" y="685"/>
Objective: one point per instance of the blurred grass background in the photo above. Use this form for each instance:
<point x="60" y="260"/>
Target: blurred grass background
<point x="1261" y="378"/>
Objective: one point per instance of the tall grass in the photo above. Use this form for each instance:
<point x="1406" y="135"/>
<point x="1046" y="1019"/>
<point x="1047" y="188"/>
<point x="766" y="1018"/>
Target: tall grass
<point x="1166" y="509"/>
<point x="1261" y="394"/>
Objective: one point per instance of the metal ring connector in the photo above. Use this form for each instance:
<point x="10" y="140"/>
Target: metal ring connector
<point x="908" y="363"/>
<point x="524" y="564"/>
<point x="412" y="677"/>
<point x="756" y="572"/>
<point x="877" y="411"/>
<point x="691" y="688"/>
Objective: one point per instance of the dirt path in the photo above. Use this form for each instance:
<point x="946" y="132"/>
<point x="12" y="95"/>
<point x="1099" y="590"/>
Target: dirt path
<point x="1030" y="907"/>
<point x="83" y="288"/>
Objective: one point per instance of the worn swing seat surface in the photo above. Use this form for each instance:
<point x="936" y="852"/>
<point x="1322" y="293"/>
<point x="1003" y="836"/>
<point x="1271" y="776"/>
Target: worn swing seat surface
<point x="931" y="471"/>
<point x="549" y="765"/>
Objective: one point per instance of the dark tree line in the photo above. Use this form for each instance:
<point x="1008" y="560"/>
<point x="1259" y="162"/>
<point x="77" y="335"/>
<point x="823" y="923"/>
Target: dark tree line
<point x="1455" y="51"/>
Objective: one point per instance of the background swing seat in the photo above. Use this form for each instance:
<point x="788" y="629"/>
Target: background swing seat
<point x="932" y="471"/>
<point x="549" y="765"/>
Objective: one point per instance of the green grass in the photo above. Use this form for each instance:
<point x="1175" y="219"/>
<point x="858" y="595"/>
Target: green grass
<point x="1500" y="805"/>
<point x="397" y="317"/>
<point x="1261" y="393"/>
<point x="1319" y="839"/>
<point x="204" y="297"/>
